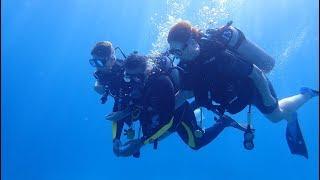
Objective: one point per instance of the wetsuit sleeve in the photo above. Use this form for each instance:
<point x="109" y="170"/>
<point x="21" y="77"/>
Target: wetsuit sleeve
<point x="159" y="110"/>
<point x="115" y="106"/>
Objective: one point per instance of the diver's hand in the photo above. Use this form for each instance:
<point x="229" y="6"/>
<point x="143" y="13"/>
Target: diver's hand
<point x="131" y="147"/>
<point x="127" y="149"/>
<point x="116" y="147"/>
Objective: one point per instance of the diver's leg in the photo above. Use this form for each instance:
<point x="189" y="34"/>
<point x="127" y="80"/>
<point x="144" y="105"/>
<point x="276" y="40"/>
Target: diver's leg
<point x="182" y="129"/>
<point x="186" y="132"/>
<point x="290" y="105"/>
<point x="282" y="109"/>
<point x="286" y="109"/>
<point x="210" y="134"/>
<point x="272" y="111"/>
<point x="262" y="84"/>
<point x="293" y="103"/>
<point x="188" y="126"/>
<point x="293" y="133"/>
<point x="275" y="116"/>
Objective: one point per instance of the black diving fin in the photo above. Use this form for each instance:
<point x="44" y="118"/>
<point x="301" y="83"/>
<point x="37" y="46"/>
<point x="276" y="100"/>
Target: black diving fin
<point x="295" y="139"/>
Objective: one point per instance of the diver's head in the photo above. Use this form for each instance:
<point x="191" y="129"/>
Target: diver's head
<point x="135" y="68"/>
<point x="182" y="39"/>
<point x="103" y="57"/>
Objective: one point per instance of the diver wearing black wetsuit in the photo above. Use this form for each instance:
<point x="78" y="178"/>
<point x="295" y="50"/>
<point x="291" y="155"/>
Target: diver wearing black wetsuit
<point x="159" y="116"/>
<point x="156" y="99"/>
<point x="119" y="90"/>
<point x="222" y="67"/>
<point x="221" y="76"/>
<point x="109" y="82"/>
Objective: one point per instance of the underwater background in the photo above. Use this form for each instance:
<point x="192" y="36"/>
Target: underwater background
<point x="52" y="122"/>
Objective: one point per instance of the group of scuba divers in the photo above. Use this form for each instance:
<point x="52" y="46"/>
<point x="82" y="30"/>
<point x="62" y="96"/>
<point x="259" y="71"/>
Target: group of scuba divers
<point x="219" y="69"/>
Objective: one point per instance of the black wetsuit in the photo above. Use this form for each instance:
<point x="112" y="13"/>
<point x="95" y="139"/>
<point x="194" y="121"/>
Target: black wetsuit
<point x="221" y="76"/>
<point x="113" y="81"/>
<point x="157" y="106"/>
<point x="159" y="116"/>
<point x="187" y="125"/>
<point x="118" y="89"/>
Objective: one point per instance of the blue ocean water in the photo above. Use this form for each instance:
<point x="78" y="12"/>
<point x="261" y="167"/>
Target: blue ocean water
<point x="53" y="126"/>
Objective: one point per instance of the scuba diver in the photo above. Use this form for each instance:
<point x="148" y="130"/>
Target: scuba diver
<point x="154" y="92"/>
<point x="108" y="70"/>
<point x="220" y="66"/>
<point x="109" y="82"/>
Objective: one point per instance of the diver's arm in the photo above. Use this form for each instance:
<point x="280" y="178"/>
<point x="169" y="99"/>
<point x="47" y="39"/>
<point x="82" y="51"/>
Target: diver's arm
<point x="116" y="135"/>
<point x="99" y="88"/>
<point x="162" y="105"/>
<point x="261" y="83"/>
<point x="181" y="97"/>
<point x="127" y="149"/>
<point x="119" y="112"/>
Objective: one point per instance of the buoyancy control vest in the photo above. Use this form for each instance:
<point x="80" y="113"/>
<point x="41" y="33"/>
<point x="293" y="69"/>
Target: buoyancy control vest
<point x="206" y="77"/>
<point x="114" y="86"/>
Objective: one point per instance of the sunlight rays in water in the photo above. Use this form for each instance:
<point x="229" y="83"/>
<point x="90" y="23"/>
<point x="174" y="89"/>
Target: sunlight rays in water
<point x="212" y="14"/>
<point x="175" y="12"/>
<point x="293" y="45"/>
<point x="208" y="15"/>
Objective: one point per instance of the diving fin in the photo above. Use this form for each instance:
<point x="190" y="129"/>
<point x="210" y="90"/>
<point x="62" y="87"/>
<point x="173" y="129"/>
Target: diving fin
<point x="311" y="92"/>
<point x="295" y="139"/>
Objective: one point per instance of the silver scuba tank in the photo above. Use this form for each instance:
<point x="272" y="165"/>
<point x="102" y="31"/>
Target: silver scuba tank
<point x="235" y="40"/>
<point x="199" y="118"/>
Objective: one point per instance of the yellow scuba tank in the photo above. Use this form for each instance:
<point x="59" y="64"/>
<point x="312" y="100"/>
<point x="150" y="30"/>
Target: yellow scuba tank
<point x="235" y="41"/>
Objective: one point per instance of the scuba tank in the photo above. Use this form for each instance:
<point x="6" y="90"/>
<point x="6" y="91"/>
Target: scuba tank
<point x="234" y="40"/>
<point x="199" y="118"/>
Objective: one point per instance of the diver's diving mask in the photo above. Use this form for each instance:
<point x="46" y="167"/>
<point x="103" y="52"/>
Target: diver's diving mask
<point x="177" y="49"/>
<point x="101" y="61"/>
<point x="185" y="51"/>
<point x="137" y="77"/>
<point x="97" y="62"/>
